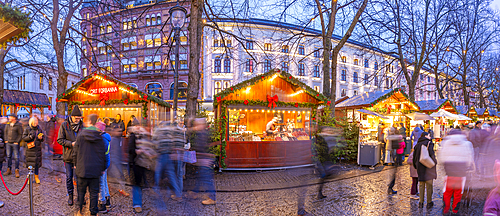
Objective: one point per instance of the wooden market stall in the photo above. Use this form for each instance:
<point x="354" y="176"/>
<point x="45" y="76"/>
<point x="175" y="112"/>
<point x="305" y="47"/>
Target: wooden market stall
<point x="481" y="114"/>
<point x="14" y="100"/>
<point x="265" y="122"/>
<point x="441" y="125"/>
<point x="105" y="96"/>
<point x="372" y="108"/>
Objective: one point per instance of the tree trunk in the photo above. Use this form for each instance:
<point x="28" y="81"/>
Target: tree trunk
<point x="333" y="96"/>
<point x="327" y="48"/>
<point x="195" y="46"/>
<point x="3" y="53"/>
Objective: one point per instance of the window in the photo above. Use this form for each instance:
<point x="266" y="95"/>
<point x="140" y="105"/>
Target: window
<point x="148" y="21"/>
<point x="149" y="40"/>
<point x="154" y="89"/>
<point x="153" y="19"/>
<point x="217" y="65"/>
<point x="101" y="28"/>
<point x="157" y="62"/>
<point x="134" y="22"/>
<point x="216" y="43"/>
<point x="84" y="71"/>
<point x="284" y="49"/>
<point x="302" y="69"/>
<point x="301" y="50"/>
<point x="88" y="16"/>
<point x="316" y="54"/>
<point x="249" y="66"/>
<point x="284" y="66"/>
<point x="267" y="65"/>
<point x="217" y="87"/>
<point x="109" y="29"/>
<point x="387" y="83"/>
<point x="182" y="93"/>
<point x="50" y="83"/>
<point x="343" y="59"/>
<point x="355" y="77"/>
<point x="133" y="42"/>
<point x="367" y="64"/>
<point x="375" y="79"/>
<point x="227" y="65"/>
<point x="428" y="79"/>
<point x="157" y="39"/>
<point x="355" y="93"/>
<point x="125" y="26"/>
<point x="375" y="66"/>
<point x="183" y="40"/>
<point x="50" y="101"/>
<point x="356" y="62"/>
<point x="84" y="50"/>
<point x="125" y="44"/>
<point x="268" y="47"/>
<point x="343" y="75"/>
<point x="316" y="71"/>
<point x="366" y="79"/>
<point x="158" y="19"/>
<point x="41" y="82"/>
<point x="342" y="93"/>
<point x="421" y="77"/>
<point x="129" y="24"/>
<point x="316" y="88"/>
<point x="249" y="45"/>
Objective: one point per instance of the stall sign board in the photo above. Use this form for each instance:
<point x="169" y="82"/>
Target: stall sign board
<point x="104" y="90"/>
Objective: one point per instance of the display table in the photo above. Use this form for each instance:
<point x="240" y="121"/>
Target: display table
<point x="248" y="154"/>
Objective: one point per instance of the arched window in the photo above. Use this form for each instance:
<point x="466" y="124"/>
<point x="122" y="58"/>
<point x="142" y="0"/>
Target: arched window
<point x="182" y="90"/>
<point x="342" y="93"/>
<point x="153" y="19"/>
<point x="343" y="59"/>
<point x="375" y="66"/>
<point x="133" y="85"/>
<point x="217" y="87"/>
<point x="227" y="65"/>
<point x="154" y="89"/>
<point x="217" y="65"/>
<point x="158" y="19"/>
<point x="148" y="21"/>
<point x="227" y="84"/>
<point x="356" y="62"/>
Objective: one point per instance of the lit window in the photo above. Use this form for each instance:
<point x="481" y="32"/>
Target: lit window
<point x="217" y="87"/>
<point x="126" y="68"/>
<point x="84" y="71"/>
<point x="153" y="19"/>
<point x="284" y="66"/>
<point x="228" y="43"/>
<point x="301" y="50"/>
<point x="356" y="62"/>
<point x="367" y="64"/>
<point x="183" y="40"/>
<point x="157" y="62"/>
<point x="284" y="49"/>
<point x="182" y="93"/>
<point x="343" y="59"/>
<point x="134" y="22"/>
<point x="343" y="75"/>
<point x="133" y="42"/>
<point x="50" y="83"/>
<point x="216" y="43"/>
<point x="154" y="89"/>
<point x="129" y="24"/>
<point x="355" y="93"/>
<point x="249" y="45"/>
<point x="101" y="29"/>
<point x="302" y="69"/>
<point x="316" y="71"/>
<point x="125" y="26"/>
<point x="148" y="21"/>
<point x="355" y="77"/>
<point x="316" y="88"/>
<point x="125" y="44"/>
<point x="267" y="65"/>
<point x="88" y="16"/>
<point x="227" y="65"/>
<point x="109" y="28"/>
<point x="41" y="82"/>
<point x="157" y="40"/>
<point x="249" y="66"/>
<point x="217" y="65"/>
<point x="149" y="40"/>
<point x="183" y="64"/>
<point x="268" y="47"/>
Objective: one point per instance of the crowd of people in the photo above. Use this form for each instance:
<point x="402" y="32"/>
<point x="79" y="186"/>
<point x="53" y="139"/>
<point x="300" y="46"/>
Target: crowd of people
<point x="93" y="149"/>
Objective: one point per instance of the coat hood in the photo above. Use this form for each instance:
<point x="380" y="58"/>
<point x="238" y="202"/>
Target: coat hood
<point x="417" y="129"/>
<point x="423" y="139"/>
<point x="456" y="139"/>
<point x="91" y="136"/>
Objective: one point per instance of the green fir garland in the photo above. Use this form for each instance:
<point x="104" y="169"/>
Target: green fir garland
<point x="112" y="101"/>
<point x="17" y="18"/>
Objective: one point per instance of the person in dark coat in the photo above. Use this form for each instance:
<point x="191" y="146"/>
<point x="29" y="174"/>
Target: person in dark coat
<point x="66" y="137"/>
<point x="33" y="136"/>
<point x="89" y="155"/>
<point x="3" y="121"/>
<point x="118" y="123"/>
<point x="425" y="175"/>
<point x="13" y="135"/>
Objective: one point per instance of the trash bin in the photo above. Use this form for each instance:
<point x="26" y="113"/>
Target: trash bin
<point x="369" y="155"/>
<point x="408" y="147"/>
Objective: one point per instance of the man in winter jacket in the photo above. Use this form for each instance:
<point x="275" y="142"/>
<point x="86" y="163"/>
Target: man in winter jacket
<point x="457" y="155"/>
<point x="477" y="137"/>
<point x="118" y="123"/>
<point x="66" y="137"/>
<point x="89" y="155"/>
<point x="104" y="197"/>
<point x="13" y="134"/>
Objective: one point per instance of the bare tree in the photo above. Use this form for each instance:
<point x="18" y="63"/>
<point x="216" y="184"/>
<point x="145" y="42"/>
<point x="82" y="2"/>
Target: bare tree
<point x="195" y="38"/>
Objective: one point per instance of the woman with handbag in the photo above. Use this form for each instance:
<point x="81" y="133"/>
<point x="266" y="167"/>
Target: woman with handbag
<point x="424" y="160"/>
<point x="33" y="136"/>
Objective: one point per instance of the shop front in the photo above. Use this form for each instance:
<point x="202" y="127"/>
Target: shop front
<point x="107" y="97"/>
<point x="370" y="109"/>
<point x="265" y="122"/>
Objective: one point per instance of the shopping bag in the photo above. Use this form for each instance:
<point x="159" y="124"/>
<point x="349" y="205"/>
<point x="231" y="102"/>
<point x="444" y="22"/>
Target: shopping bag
<point x="189" y="157"/>
<point x="425" y="159"/>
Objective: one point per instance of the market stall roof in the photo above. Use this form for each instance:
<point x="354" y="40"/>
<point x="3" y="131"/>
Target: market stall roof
<point x="445" y="114"/>
<point x="370" y="99"/>
<point x="91" y="78"/>
<point x="462" y="109"/>
<point x="24" y="98"/>
<point x="435" y="105"/>
<point x="482" y="111"/>
<point x="416" y="116"/>
<point x="256" y="89"/>
<point x="462" y="117"/>
<point x="371" y="113"/>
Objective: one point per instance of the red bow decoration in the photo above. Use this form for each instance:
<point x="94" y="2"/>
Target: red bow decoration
<point x="145" y="97"/>
<point x="328" y="103"/>
<point x="262" y="77"/>
<point x="296" y="104"/>
<point x="50" y="107"/>
<point x="224" y="117"/>
<point x="246" y="102"/>
<point x="103" y="98"/>
<point x="105" y="77"/>
<point x="272" y="101"/>
<point x="219" y="99"/>
<point x="314" y="118"/>
<point x="125" y="101"/>
<point x="278" y="70"/>
<point x="231" y="88"/>
<point x="83" y="103"/>
<point x="34" y="106"/>
<point x="57" y="99"/>
<point x="17" y="104"/>
<point x="290" y="77"/>
<point x="128" y="87"/>
<point x="317" y="95"/>
<point x="63" y="94"/>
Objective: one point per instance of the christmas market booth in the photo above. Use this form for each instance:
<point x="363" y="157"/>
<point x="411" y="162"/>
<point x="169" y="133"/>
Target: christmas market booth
<point x="481" y="114"/>
<point x="264" y="122"/>
<point x="15" y="100"/>
<point x="369" y="110"/>
<point x="445" y="113"/>
<point x="106" y="96"/>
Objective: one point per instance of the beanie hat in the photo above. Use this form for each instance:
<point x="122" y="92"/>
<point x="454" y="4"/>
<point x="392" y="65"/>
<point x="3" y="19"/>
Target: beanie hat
<point x="101" y="126"/>
<point x="76" y="111"/>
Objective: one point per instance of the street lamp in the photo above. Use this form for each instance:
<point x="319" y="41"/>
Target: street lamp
<point x="177" y="19"/>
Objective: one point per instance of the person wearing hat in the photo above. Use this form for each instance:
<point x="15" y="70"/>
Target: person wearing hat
<point x="13" y="134"/>
<point x="66" y="137"/>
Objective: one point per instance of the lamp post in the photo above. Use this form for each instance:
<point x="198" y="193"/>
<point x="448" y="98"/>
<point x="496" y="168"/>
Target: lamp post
<point x="177" y="19"/>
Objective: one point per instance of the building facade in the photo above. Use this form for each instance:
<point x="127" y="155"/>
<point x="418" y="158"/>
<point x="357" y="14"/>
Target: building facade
<point x="254" y="46"/>
<point x="133" y="42"/>
<point x="42" y="79"/>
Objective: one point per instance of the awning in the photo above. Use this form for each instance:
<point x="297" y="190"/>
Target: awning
<point x="463" y="117"/>
<point x="445" y="114"/>
<point x="371" y="113"/>
<point x="416" y="116"/>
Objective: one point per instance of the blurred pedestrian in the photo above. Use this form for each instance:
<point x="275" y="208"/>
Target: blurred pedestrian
<point x="414" y="178"/>
<point x="47" y="151"/>
<point x="477" y="137"/>
<point x="3" y="122"/>
<point x="104" y="197"/>
<point x="205" y="161"/>
<point x="33" y="136"/>
<point x="425" y="175"/>
<point x="129" y="123"/>
<point x="415" y="135"/>
<point x="381" y="139"/>
<point x="13" y="136"/>
<point x="492" y="204"/>
<point x="393" y="141"/>
<point x="118" y="123"/>
<point x="115" y="170"/>
<point x="490" y="153"/>
<point x="457" y="156"/>
<point x="66" y="137"/>
<point x="402" y="132"/>
<point x="89" y="156"/>
<point x="142" y="155"/>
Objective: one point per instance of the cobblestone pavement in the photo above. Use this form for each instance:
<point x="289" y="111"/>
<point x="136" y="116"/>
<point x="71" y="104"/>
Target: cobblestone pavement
<point x="355" y="192"/>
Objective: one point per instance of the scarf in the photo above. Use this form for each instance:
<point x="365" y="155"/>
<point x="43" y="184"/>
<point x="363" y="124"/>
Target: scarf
<point x="74" y="126"/>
